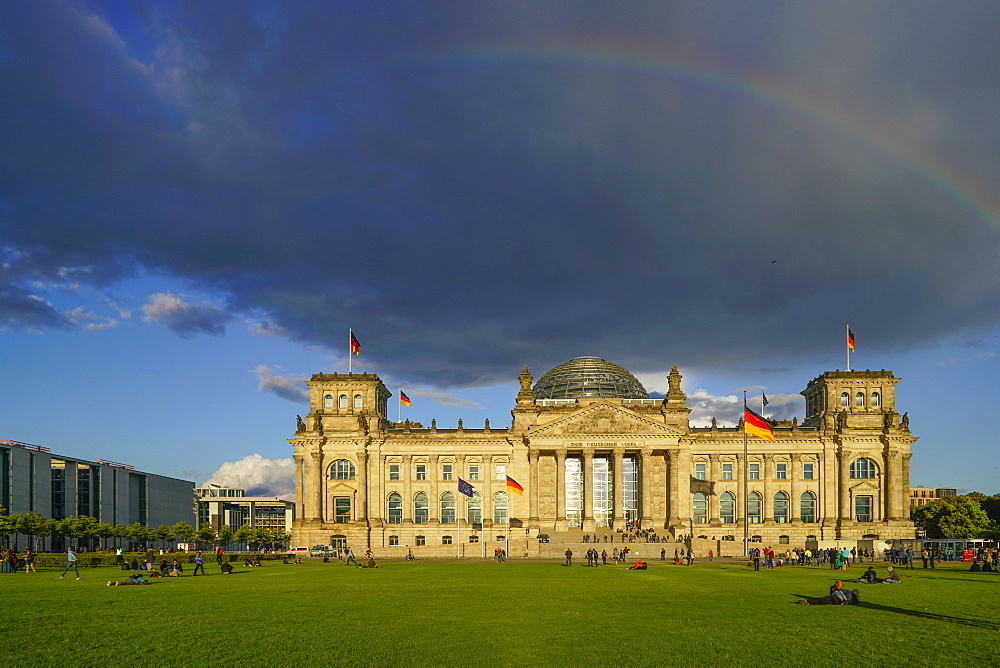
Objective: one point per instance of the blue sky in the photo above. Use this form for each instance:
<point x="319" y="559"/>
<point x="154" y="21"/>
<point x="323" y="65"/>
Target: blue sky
<point x="198" y="199"/>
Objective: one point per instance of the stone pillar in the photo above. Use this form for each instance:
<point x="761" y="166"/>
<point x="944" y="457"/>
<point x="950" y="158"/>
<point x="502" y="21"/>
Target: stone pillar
<point x="682" y="479"/>
<point x="461" y="500"/>
<point x="742" y="489"/>
<point x="673" y="486"/>
<point x="795" y="515"/>
<point x="645" y="488"/>
<point x="361" y="500"/>
<point x="618" y="503"/>
<point x="844" y="468"/>
<point x="560" y="488"/>
<point x="299" y="487"/>
<point x="406" y="473"/>
<point x="434" y="502"/>
<point x="904" y="487"/>
<point x="714" y="477"/>
<point x="316" y="484"/>
<point x="533" y="489"/>
<point x="767" y="505"/>
<point x="891" y="483"/>
<point x="588" y="490"/>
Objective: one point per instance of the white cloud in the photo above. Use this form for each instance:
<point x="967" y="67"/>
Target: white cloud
<point x="728" y="409"/>
<point x="183" y="318"/>
<point x="258" y="476"/>
<point x="287" y="387"/>
<point x="81" y="317"/>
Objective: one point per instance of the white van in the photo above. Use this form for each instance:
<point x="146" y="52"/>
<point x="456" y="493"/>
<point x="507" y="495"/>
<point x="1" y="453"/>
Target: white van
<point x="320" y="551"/>
<point x="299" y="550"/>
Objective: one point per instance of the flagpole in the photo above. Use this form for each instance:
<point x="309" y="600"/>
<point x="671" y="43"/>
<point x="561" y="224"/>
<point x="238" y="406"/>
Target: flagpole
<point x="399" y="407"/>
<point x="848" y="339"/>
<point x="350" y="350"/>
<point x="746" y="484"/>
<point x="458" y="524"/>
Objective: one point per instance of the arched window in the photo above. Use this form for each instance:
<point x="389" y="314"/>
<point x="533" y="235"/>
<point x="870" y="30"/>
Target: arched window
<point x="781" y="508"/>
<point x="700" y="508"/>
<point x="358" y="402"/>
<point x="862" y="468"/>
<point x="474" y="506"/>
<point x="447" y="508"/>
<point x="343" y="401"/>
<point x="807" y="507"/>
<point x="420" y="515"/>
<point x="727" y="508"/>
<point x="844" y="400"/>
<point x="395" y="509"/>
<point x="328" y="401"/>
<point x="500" y="508"/>
<point x="875" y="399"/>
<point x="753" y="508"/>
<point x="342" y="470"/>
<point x="859" y="399"/>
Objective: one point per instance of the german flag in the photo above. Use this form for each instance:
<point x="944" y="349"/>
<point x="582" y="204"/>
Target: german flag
<point x="403" y="399"/>
<point x="514" y="486"/>
<point x="850" y="340"/>
<point x="355" y="346"/>
<point x="756" y="425"/>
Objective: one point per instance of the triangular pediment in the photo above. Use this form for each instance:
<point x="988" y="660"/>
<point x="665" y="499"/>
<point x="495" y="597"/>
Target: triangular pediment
<point x="604" y="419"/>
<point x="863" y="487"/>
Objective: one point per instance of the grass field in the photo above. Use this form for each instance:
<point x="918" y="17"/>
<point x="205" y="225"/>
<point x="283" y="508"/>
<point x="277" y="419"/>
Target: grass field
<point x="484" y="613"/>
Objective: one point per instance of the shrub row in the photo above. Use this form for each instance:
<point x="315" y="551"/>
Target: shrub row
<point x="94" y="560"/>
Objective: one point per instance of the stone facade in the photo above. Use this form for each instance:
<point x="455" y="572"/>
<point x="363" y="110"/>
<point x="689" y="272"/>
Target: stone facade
<point x="588" y="465"/>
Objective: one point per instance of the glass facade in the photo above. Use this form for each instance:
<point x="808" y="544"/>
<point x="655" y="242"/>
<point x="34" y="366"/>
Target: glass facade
<point x="420" y="509"/>
<point x="807" y="507"/>
<point x="727" y="508"/>
<point x="500" y="508"/>
<point x="448" y="508"/>
<point x="630" y="478"/>
<point x="395" y="509"/>
<point x="754" y="514"/>
<point x="863" y="508"/>
<point x="474" y="509"/>
<point x="574" y="492"/>
<point x="700" y="505"/>
<point x="341" y="510"/>
<point x="588" y="377"/>
<point x="602" y="497"/>
<point x="781" y="508"/>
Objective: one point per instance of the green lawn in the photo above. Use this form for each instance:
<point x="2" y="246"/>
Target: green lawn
<point x="483" y="613"/>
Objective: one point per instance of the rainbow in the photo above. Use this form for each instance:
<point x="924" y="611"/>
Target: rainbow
<point x="974" y="198"/>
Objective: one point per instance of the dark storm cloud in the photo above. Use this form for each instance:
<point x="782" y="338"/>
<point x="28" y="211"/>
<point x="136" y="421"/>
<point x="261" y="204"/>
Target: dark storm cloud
<point x="466" y="190"/>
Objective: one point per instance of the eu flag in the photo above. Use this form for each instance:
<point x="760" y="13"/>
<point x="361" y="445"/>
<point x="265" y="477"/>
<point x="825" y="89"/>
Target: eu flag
<point x="464" y="488"/>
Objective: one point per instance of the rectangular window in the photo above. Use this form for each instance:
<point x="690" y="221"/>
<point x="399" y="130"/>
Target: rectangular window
<point x="755" y="471"/>
<point x="807" y="471"/>
<point x="393" y="471"/>
<point x="446" y="472"/>
<point x="393" y="540"/>
<point x="421" y="540"/>
<point x="501" y="472"/>
<point x="473" y="472"/>
<point x="473" y="538"/>
<point x="421" y="472"/>
<point x="780" y="471"/>
<point x="342" y="509"/>
<point x="501" y="539"/>
<point x="782" y="540"/>
<point x="863" y="508"/>
<point x="699" y="471"/>
<point x="446" y="540"/>
<point x="727" y="471"/>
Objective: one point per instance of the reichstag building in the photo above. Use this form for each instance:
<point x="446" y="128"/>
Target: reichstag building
<point x="593" y="451"/>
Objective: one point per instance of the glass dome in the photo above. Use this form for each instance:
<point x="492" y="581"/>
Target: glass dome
<point x="588" y="377"/>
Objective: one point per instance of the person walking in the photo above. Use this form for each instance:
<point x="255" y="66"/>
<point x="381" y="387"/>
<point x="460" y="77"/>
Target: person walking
<point x="350" y="557"/>
<point x="70" y="563"/>
<point x="199" y="563"/>
<point x="29" y="561"/>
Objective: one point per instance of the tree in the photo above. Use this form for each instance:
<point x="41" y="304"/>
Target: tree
<point x="104" y="531"/>
<point x="953" y="517"/>
<point x="206" y="534"/>
<point x="140" y="533"/>
<point x="35" y="526"/>
<point x="8" y="525"/>
<point x="185" y="532"/>
<point x="78" y="527"/>
<point x="244" y="534"/>
<point x="225" y="535"/>
<point x="165" y="533"/>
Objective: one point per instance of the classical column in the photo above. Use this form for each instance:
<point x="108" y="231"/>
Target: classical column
<point x="406" y="472"/>
<point x="673" y="485"/>
<point x="435" y="497"/>
<point x="299" y="487"/>
<point x="890" y="485"/>
<point x="767" y="505"/>
<point x="713" y="499"/>
<point x="795" y="515"/>
<point x="361" y="500"/>
<point x="646" y="488"/>
<point x="588" y="490"/>
<point x="844" y="468"/>
<point x="903" y="492"/>
<point x="461" y="513"/>
<point x="317" y="484"/>
<point x="619" y="489"/>
<point x="533" y="489"/>
<point x="682" y="482"/>
<point x="560" y="488"/>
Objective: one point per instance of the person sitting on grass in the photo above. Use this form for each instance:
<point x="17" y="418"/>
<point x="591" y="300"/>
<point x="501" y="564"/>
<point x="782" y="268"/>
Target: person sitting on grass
<point x="639" y="566"/>
<point x="136" y="579"/>
<point x="869" y="577"/>
<point x="892" y="577"/>
<point x="843" y="598"/>
<point x="227" y="568"/>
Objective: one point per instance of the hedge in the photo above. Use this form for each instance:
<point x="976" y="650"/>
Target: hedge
<point x="98" y="559"/>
